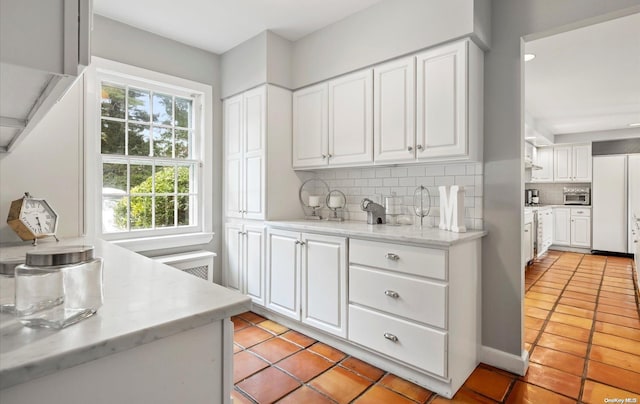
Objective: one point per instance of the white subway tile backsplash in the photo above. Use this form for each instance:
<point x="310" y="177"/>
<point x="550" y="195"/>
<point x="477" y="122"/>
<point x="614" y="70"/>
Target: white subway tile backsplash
<point x="390" y="182"/>
<point x="434" y="170"/>
<point x="455" y="169"/>
<point x="374" y="183"/>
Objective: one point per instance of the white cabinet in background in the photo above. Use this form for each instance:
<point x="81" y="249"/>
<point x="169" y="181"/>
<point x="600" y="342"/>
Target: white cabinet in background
<point x="572" y="227"/>
<point x="572" y="163"/>
<point x="310" y="126"/>
<point x="527" y="245"/>
<point x="244" y="260"/>
<point x="394" y="100"/>
<point x="307" y="279"/>
<point x="545" y="230"/>
<point x="332" y="122"/>
<point x="562" y="226"/>
<point x="449" y="102"/>
<point x="581" y="227"/>
<point x="544" y="159"/>
<point x="258" y="181"/>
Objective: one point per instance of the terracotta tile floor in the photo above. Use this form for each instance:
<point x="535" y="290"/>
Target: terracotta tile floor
<point x="582" y="331"/>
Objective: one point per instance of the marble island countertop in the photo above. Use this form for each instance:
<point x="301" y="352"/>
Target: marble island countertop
<point x="143" y="301"/>
<point x="404" y="233"/>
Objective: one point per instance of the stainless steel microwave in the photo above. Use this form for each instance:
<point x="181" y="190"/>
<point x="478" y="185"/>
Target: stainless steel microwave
<point x="577" y="196"/>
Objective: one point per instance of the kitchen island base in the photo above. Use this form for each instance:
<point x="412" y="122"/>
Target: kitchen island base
<point x="188" y="367"/>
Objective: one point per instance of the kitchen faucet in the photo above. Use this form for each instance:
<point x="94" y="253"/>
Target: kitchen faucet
<point x="375" y="212"/>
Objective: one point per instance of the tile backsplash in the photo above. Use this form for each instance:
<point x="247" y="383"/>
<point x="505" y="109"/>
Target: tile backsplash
<point x="552" y="193"/>
<point x="376" y="182"/>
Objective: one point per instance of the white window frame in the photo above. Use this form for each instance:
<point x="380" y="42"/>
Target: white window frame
<point x="151" y="239"/>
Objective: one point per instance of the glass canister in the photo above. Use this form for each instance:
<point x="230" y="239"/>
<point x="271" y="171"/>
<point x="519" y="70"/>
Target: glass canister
<point x="8" y="284"/>
<point x="58" y="287"/>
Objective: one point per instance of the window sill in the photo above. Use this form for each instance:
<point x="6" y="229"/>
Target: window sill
<point x="164" y="242"/>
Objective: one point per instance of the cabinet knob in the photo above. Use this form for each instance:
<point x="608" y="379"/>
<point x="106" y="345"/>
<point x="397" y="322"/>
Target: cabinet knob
<point x="302" y="243"/>
<point x="240" y="211"/>
<point x="330" y="155"/>
<point x="410" y="148"/>
<point x="324" y="156"/>
<point x="390" y="337"/>
<point x="297" y="242"/>
<point x="392" y="293"/>
<point x="526" y="230"/>
<point x="419" y="147"/>
<point x="392" y="256"/>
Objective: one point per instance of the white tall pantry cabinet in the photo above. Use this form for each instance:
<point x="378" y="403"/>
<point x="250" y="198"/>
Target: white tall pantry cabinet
<point x="258" y="181"/>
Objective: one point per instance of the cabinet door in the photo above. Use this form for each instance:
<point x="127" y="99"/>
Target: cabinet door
<point x="561" y="226"/>
<point x="581" y="158"/>
<point x="254" y="133"/>
<point x="233" y="156"/>
<point x="324" y="283"/>
<point x="231" y="273"/>
<point x="581" y="231"/>
<point x="394" y="98"/>
<point x="283" y="293"/>
<point x="633" y="186"/>
<point x="350" y="118"/>
<point x="547" y="230"/>
<point x="441" y="102"/>
<point x="544" y="158"/>
<point x="562" y="166"/>
<point x="310" y="136"/>
<point x="527" y="243"/>
<point x="254" y="262"/>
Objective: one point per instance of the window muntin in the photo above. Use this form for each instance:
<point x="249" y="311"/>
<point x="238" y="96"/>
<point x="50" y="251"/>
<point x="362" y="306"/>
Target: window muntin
<point x="148" y="155"/>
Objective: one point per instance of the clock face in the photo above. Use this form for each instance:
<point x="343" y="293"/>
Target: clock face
<point x="38" y="216"/>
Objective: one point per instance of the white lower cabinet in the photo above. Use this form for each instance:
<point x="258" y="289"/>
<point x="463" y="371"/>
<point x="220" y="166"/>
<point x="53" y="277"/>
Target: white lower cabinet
<point x="572" y="227"/>
<point x="244" y="260"/>
<point x="411" y="309"/>
<point x="307" y="279"/>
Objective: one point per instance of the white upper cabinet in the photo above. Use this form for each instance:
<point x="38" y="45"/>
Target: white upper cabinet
<point x="310" y="126"/>
<point x="258" y="181"/>
<point x="332" y="122"/>
<point x="582" y="163"/>
<point x="45" y="47"/>
<point x="449" y="99"/>
<point x="572" y="163"/>
<point x="394" y="101"/>
<point x="245" y="137"/>
<point x="544" y="159"/>
<point x="350" y="119"/>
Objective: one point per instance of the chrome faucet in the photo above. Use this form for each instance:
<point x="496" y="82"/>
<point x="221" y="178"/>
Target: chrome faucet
<point x="376" y="213"/>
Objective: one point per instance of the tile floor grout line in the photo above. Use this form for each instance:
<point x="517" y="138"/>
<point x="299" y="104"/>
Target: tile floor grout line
<point x="585" y="368"/>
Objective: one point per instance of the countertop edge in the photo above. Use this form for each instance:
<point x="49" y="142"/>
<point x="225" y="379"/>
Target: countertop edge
<point x="366" y="234"/>
<point x="20" y="374"/>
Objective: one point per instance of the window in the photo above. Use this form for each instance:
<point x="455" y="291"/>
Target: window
<point x="150" y="142"/>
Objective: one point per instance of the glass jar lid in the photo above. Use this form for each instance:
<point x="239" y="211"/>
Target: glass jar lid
<point x="60" y="256"/>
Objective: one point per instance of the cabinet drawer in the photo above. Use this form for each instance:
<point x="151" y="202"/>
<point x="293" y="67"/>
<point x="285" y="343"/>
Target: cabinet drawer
<point x="419" y="261"/>
<point x="580" y="212"/>
<point x="415" y="299"/>
<point x="402" y="340"/>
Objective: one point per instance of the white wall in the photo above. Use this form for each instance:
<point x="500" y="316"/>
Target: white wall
<point x="383" y="31"/>
<point x="48" y="164"/>
<point x="502" y="278"/>
<point x="244" y="66"/>
<point x="279" y="60"/>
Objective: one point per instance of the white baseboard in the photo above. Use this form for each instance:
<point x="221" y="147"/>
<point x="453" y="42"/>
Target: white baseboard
<point x="505" y="361"/>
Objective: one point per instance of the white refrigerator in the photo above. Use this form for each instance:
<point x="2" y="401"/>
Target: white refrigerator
<point x="615" y="198"/>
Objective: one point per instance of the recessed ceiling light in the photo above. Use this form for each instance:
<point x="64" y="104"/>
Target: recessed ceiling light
<point x="633" y="125"/>
<point x="530" y="138"/>
<point x="529" y="56"/>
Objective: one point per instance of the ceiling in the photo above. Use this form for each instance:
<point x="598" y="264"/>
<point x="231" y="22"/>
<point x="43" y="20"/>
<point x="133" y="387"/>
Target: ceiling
<point x="587" y="79"/>
<point x="219" y="25"/>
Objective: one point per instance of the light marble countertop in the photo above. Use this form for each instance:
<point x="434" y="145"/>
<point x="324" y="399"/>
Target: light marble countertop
<point x="536" y="207"/>
<point x="143" y="301"/>
<point x="432" y="236"/>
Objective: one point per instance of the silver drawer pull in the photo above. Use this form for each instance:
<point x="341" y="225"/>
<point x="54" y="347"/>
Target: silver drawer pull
<point x="392" y="256"/>
<point x="390" y="337"/>
<point x="392" y="293"/>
